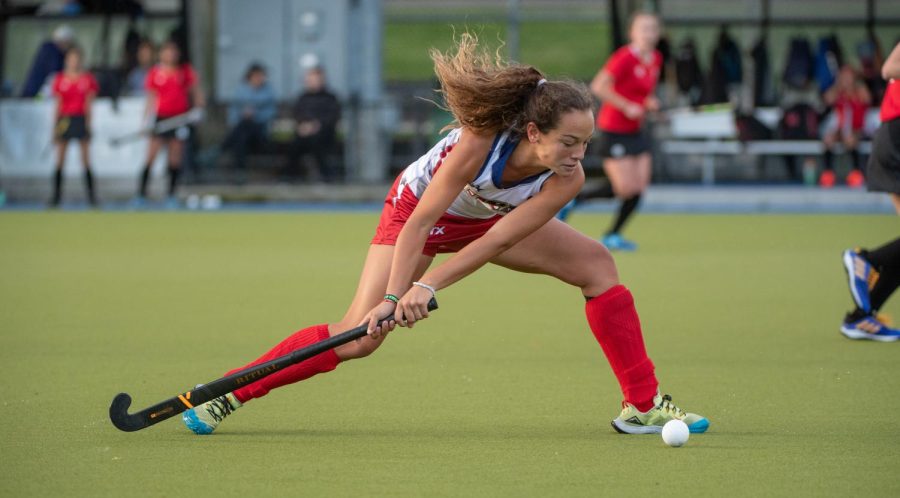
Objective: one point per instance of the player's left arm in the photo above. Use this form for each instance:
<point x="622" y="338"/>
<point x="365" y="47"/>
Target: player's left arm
<point x="515" y="226"/>
<point x="198" y="96"/>
<point x="89" y="102"/>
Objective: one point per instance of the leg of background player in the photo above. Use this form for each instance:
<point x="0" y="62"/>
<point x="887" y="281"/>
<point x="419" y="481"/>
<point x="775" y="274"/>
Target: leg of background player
<point x="61" y="147"/>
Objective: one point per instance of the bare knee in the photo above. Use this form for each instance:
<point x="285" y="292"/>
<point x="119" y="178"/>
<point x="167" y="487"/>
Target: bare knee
<point x="359" y="348"/>
<point x="638" y="189"/>
<point x="625" y="190"/>
<point x="598" y="273"/>
<point x="628" y="189"/>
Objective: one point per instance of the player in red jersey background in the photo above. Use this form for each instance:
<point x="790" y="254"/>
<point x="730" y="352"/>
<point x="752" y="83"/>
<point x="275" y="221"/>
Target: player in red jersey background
<point x="625" y="87"/>
<point x="172" y="89"/>
<point x="75" y="90"/>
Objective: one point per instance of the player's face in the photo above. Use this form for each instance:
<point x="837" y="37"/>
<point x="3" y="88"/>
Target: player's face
<point x="314" y="80"/>
<point x="145" y="55"/>
<point x="562" y="148"/>
<point x="846" y="78"/>
<point x="169" y="55"/>
<point x="645" y="32"/>
<point x="257" y="79"/>
<point x="73" y="61"/>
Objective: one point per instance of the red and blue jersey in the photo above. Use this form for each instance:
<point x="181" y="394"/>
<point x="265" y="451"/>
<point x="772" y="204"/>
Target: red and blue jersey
<point x="485" y="196"/>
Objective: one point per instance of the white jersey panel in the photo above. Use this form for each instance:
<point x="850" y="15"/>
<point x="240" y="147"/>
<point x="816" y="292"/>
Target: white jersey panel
<point x="482" y="198"/>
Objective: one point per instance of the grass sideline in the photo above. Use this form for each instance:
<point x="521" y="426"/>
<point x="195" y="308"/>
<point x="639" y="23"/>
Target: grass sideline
<point x="503" y="392"/>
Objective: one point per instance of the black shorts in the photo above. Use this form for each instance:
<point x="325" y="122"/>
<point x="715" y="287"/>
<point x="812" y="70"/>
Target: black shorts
<point x="615" y="145"/>
<point x="71" y="128"/>
<point x="883" y="170"/>
<point x="180" y="133"/>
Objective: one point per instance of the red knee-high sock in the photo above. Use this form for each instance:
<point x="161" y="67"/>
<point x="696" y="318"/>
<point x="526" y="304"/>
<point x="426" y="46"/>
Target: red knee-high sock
<point x="321" y="363"/>
<point x="614" y="321"/>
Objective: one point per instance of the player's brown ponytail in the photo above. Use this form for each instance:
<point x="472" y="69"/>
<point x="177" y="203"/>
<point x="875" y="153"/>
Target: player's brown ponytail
<point x="487" y="95"/>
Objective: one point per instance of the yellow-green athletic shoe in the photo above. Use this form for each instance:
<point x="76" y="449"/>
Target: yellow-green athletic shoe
<point x="633" y="421"/>
<point x="203" y="419"/>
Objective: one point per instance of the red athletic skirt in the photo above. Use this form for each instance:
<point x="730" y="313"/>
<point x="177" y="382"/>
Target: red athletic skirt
<point x="450" y="233"/>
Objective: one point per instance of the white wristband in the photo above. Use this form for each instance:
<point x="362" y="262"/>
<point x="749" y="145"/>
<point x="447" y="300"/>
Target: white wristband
<point x="426" y="286"/>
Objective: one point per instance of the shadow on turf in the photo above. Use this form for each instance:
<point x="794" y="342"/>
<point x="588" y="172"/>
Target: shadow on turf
<point x="698" y="442"/>
<point x="440" y="432"/>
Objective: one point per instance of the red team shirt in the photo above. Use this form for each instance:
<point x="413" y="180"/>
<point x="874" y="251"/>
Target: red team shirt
<point x="890" y="106"/>
<point x="635" y="80"/>
<point x="856" y="108"/>
<point x="172" y="89"/>
<point x="73" y="92"/>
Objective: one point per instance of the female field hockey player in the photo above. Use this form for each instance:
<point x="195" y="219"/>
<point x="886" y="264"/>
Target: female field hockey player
<point x="874" y="274"/>
<point x="625" y="87"/>
<point x="488" y="191"/>
<point x="74" y="89"/>
<point x="171" y="87"/>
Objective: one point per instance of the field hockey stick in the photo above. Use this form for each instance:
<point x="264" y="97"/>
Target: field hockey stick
<point x="58" y="130"/>
<point x="130" y="422"/>
<point x="190" y="117"/>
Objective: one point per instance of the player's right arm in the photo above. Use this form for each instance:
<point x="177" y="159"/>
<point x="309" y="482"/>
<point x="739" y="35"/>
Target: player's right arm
<point x="198" y="96"/>
<point x="458" y="169"/>
<point x="891" y="67"/>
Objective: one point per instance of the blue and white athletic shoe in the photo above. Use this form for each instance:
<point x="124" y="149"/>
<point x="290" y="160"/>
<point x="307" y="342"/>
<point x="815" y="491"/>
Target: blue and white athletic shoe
<point x="204" y="419"/>
<point x="566" y="210"/>
<point x="615" y="242"/>
<point x="861" y="278"/>
<point x="871" y="329"/>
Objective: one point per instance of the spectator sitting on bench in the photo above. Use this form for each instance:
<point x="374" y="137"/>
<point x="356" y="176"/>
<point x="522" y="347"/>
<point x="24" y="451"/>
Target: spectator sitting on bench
<point x="316" y="112"/>
<point x="849" y="98"/>
<point x="249" y="115"/>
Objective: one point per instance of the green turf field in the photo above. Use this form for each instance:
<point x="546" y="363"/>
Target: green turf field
<point x="503" y="392"/>
<point x="560" y="49"/>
